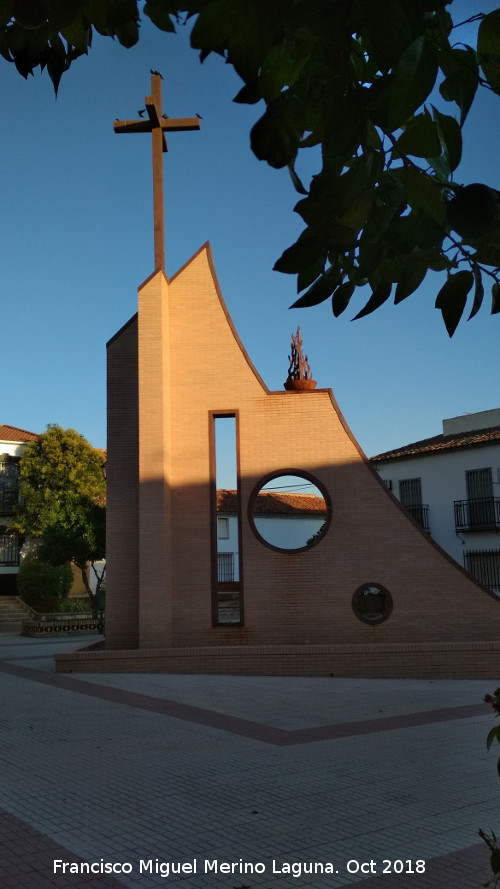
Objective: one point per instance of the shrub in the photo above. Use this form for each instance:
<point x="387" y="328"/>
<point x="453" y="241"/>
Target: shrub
<point x="43" y="586"/>
<point x="73" y="606"/>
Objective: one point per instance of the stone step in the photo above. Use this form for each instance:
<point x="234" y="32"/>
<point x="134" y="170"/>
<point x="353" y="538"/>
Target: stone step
<point x="12" y="613"/>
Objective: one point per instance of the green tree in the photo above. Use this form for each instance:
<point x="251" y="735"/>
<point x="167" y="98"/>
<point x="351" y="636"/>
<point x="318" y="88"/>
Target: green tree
<point x="82" y="541"/>
<point x="62" y="501"/>
<point x="360" y="79"/>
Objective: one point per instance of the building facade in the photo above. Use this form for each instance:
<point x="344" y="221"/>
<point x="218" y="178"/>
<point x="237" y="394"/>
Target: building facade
<point x="12" y="442"/>
<point x="450" y="485"/>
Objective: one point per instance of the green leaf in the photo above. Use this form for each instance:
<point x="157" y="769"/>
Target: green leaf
<point x="321" y="290"/>
<point x="495" y="299"/>
<point x="460" y="67"/>
<point x="370" y="255"/>
<point x="409" y="282"/>
<point x="6" y="7"/>
<point x="29" y="14"/>
<point x="213" y="26"/>
<point x="281" y="68"/>
<point x="297" y="183"/>
<point x="474" y="212"/>
<point x="488" y="46"/>
<point x="450" y="137"/>
<point x="355" y="217"/>
<point x="413" y="78"/>
<point x="128" y="33"/>
<point x="276" y="135"/>
<point x="487" y="253"/>
<point x="241" y="32"/>
<point x="420" y="137"/>
<point x="248" y="94"/>
<point x="344" y="127"/>
<point x="301" y="255"/>
<point x="389" y="201"/>
<point x="307" y="276"/>
<point x="338" y="205"/>
<point x="423" y="191"/>
<point x="428" y="232"/>
<point x="452" y="297"/>
<point x="492" y="736"/>
<point x="478" y="292"/>
<point x="341" y="297"/>
<point x="55" y="59"/>
<point x="386" y="30"/>
<point x="380" y="295"/>
<point x="77" y="34"/>
<point x="157" y="12"/>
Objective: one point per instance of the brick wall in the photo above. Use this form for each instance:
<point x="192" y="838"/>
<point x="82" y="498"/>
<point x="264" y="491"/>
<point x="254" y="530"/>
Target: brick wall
<point x="155" y="483"/>
<point x="122" y="567"/>
<point x="466" y="660"/>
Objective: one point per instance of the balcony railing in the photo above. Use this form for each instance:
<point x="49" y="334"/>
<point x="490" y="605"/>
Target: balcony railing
<point x="225" y="567"/>
<point x="477" y="515"/>
<point x="420" y="513"/>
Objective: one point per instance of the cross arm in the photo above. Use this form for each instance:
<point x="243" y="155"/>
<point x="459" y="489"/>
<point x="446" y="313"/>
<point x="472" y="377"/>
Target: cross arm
<point x="177" y="124"/>
<point x="132" y="126"/>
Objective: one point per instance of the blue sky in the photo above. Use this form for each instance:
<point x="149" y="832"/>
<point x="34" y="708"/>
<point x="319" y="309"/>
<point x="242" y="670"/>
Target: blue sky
<point x="76" y="224"/>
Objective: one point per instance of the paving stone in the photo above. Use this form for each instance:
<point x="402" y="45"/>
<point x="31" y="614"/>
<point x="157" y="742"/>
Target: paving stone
<point x="176" y="768"/>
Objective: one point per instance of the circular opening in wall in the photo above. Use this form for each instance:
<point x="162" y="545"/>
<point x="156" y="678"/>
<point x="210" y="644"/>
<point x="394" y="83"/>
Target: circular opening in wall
<point x="372" y="603"/>
<point x="289" y="511"/>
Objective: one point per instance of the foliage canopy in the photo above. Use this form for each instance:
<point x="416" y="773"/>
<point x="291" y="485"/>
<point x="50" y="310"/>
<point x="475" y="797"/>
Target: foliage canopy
<point x="58" y="472"/>
<point x="382" y="87"/>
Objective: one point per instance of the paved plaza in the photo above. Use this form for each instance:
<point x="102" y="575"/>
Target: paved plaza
<point x="271" y="778"/>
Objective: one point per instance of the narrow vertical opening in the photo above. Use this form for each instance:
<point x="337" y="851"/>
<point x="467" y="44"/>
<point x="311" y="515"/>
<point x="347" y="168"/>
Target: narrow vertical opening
<point x="227" y="605"/>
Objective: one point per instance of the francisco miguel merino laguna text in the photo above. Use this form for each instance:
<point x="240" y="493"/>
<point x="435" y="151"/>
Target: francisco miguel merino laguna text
<point x="207" y="866"/>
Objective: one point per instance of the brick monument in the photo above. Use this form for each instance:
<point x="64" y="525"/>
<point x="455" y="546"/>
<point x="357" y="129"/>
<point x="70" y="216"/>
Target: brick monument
<point x="368" y="595"/>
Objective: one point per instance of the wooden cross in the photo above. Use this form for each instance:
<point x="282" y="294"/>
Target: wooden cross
<point x="157" y="125"/>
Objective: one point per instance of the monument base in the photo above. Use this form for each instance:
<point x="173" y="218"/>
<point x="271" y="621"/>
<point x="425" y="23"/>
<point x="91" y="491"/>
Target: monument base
<point x="410" y="660"/>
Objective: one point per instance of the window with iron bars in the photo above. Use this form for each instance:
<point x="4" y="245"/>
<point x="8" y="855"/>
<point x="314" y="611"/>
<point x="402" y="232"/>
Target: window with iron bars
<point x="484" y="565"/>
<point x="9" y="549"/>
<point x="9" y="486"/>
<point x="410" y="496"/>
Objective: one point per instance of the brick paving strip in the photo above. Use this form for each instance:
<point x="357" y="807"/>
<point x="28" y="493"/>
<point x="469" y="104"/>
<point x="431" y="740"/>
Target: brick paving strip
<point x="236" y="725"/>
<point x="27" y="860"/>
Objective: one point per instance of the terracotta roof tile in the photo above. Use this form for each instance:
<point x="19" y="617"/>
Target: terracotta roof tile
<point x="275" y="503"/>
<point x="441" y="443"/>
<point x="12" y="433"/>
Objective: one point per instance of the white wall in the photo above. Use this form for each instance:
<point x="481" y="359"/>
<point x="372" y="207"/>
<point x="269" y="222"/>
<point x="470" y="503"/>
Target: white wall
<point x="443" y="481"/>
<point x="12" y="448"/>
<point x="285" y="532"/>
<point x="288" y="532"/>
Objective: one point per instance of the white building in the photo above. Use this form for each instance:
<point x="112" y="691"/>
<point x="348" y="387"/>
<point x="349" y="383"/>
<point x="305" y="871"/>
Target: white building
<point x="12" y="442"/>
<point x="284" y="520"/>
<point x="450" y="484"/>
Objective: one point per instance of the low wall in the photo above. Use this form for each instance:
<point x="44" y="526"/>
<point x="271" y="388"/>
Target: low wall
<point x="433" y="660"/>
<point x="42" y="625"/>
